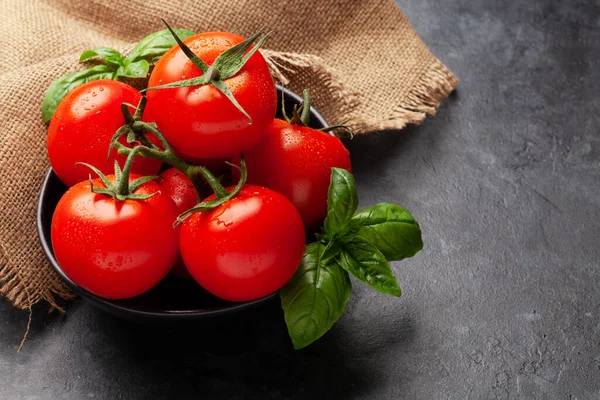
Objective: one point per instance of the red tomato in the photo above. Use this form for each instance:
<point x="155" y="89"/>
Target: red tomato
<point x="114" y="249"/>
<point x="199" y="121"/>
<point x="82" y="127"/>
<point x="296" y="161"/>
<point x="177" y="186"/>
<point x="245" y="249"/>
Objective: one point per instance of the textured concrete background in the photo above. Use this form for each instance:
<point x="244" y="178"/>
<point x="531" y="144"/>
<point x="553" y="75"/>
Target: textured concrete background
<point x="503" y="303"/>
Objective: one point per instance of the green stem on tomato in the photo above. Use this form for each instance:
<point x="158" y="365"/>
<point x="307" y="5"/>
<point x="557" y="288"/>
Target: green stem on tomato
<point x="141" y="126"/>
<point x="122" y="188"/>
<point x="215" y="185"/>
<point x="135" y="129"/>
<point x="139" y="111"/>
<point x="168" y="156"/>
<point x="214" y="203"/>
<point x="126" y="114"/>
<point x="305" y="117"/>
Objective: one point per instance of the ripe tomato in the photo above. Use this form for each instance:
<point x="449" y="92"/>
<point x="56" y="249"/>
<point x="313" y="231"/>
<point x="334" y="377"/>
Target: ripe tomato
<point x="177" y="186"/>
<point x="114" y="249"/>
<point x="246" y="248"/>
<point x="296" y="161"/>
<point x="199" y="121"/>
<point x="82" y="127"/>
<point x="174" y="184"/>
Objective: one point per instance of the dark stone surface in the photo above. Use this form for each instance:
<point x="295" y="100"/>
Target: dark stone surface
<point x="504" y="302"/>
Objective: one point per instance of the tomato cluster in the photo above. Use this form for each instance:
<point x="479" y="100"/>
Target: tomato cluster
<point x="209" y="99"/>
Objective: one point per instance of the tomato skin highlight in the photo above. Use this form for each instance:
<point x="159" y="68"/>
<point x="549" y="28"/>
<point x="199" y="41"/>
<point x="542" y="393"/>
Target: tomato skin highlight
<point x="296" y="161"/>
<point x="82" y="127"/>
<point x="115" y="250"/>
<point x="199" y="121"/>
<point x="246" y="248"/>
<point x="175" y="185"/>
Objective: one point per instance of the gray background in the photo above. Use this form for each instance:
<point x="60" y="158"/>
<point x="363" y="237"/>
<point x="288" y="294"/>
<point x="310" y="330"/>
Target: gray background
<point x="504" y="302"/>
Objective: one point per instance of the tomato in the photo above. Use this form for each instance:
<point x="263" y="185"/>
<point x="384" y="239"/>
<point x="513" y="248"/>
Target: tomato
<point x="177" y="186"/>
<point x="114" y="249"/>
<point x="199" y="121"/>
<point x="82" y="127"/>
<point x="246" y="248"/>
<point x="296" y="161"/>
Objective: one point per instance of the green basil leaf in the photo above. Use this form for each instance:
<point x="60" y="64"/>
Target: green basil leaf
<point x="342" y="201"/>
<point x="153" y="46"/>
<point x="391" y="229"/>
<point x="365" y="262"/>
<point x="111" y="57"/>
<point x="315" y="297"/>
<point x="63" y="85"/>
<point x="331" y="250"/>
<point x="136" y="69"/>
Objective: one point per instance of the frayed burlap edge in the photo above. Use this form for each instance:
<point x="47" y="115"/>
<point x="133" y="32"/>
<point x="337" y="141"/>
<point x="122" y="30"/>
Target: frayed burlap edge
<point x="11" y="289"/>
<point x="434" y="86"/>
<point x="15" y="290"/>
<point x="282" y="63"/>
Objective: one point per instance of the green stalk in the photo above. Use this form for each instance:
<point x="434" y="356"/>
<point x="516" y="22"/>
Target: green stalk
<point x="122" y="189"/>
<point x="305" y="117"/>
<point x="168" y="156"/>
<point x="215" y="185"/>
<point x="135" y="132"/>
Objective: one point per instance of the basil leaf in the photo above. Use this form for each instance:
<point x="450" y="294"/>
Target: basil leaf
<point x="342" y="201"/>
<point x="332" y="249"/>
<point x="315" y="297"/>
<point x="63" y="85"/>
<point x="391" y="229"/>
<point x="365" y="262"/>
<point x="136" y="69"/>
<point x="111" y="57"/>
<point x="153" y="46"/>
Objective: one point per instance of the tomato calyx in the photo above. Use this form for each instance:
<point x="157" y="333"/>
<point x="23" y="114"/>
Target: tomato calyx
<point x="121" y="189"/>
<point x="301" y="114"/>
<point x="227" y="65"/>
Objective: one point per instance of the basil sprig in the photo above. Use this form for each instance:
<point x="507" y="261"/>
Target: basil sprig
<point x="360" y="243"/>
<point x="315" y="297"/>
<point x="114" y="66"/>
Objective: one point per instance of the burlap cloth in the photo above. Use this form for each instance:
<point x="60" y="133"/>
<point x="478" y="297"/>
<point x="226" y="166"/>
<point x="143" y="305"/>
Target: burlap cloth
<point x="366" y="63"/>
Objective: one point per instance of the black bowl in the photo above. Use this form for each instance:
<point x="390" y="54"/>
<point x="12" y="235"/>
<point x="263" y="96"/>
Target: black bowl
<point x="172" y="298"/>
